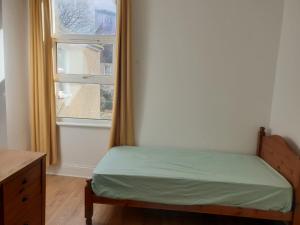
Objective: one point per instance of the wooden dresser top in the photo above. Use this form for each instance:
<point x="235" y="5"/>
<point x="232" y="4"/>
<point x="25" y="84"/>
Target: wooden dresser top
<point x="12" y="161"/>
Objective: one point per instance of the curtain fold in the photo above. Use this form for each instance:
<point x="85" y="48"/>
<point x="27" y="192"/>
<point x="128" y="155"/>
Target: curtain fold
<point x="122" y="132"/>
<point x="42" y="95"/>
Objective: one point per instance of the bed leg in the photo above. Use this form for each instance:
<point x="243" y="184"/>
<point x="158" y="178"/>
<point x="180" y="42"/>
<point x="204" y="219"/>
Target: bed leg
<point x="88" y="202"/>
<point x="296" y="217"/>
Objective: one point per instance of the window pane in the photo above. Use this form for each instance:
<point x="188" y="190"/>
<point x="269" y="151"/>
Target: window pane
<point x="85" y="17"/>
<point x="106" y="101"/>
<point x="75" y="100"/>
<point x="86" y="59"/>
<point x="84" y="101"/>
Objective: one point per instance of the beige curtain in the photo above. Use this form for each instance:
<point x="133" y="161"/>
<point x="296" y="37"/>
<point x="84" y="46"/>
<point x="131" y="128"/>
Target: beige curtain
<point x="122" y="132"/>
<point x="42" y="100"/>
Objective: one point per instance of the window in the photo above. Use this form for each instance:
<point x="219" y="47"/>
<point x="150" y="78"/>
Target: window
<point x="84" y="41"/>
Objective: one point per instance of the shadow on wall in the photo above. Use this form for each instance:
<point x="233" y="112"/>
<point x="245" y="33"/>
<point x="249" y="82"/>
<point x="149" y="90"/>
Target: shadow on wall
<point x="1" y="46"/>
<point x="2" y="115"/>
<point x="2" y="88"/>
<point x="0" y="14"/>
<point x="292" y="144"/>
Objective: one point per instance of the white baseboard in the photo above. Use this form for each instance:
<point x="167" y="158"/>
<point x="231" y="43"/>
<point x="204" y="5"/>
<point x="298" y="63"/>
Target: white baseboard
<point x="71" y="170"/>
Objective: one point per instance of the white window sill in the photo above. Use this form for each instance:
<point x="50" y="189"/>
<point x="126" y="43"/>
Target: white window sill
<point x="70" y="122"/>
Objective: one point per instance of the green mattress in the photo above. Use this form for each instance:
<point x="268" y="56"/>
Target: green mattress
<point x="191" y="177"/>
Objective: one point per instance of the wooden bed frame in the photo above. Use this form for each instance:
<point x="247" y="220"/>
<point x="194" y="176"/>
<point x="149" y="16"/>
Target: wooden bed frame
<point x="273" y="149"/>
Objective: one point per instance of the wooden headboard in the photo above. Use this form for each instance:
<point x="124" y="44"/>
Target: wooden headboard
<point x="277" y="153"/>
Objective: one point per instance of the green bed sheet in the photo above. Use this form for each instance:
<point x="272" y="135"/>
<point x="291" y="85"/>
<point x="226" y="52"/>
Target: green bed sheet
<point x="191" y="177"/>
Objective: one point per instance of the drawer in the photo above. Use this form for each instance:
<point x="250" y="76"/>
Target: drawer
<point x="30" y="214"/>
<point x="24" y="179"/>
<point x="22" y="200"/>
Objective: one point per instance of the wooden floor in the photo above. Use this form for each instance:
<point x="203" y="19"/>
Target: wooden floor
<point x="65" y="206"/>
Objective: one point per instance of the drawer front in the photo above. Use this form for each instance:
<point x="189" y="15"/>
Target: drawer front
<point x="30" y="214"/>
<point x="22" y="198"/>
<point x="22" y="182"/>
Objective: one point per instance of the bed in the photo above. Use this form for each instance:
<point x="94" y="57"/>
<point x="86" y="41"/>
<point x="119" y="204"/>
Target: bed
<point x="264" y="186"/>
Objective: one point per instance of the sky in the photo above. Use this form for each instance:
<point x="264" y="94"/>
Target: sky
<point x="108" y="5"/>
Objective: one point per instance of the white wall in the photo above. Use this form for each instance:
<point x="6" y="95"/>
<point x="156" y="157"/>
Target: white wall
<point x="1" y="46"/>
<point x="15" y="53"/>
<point x="2" y="116"/>
<point x="81" y="149"/>
<point x="1" y="55"/>
<point x="204" y="71"/>
<point x="203" y="76"/>
<point x="2" y="88"/>
<point x="285" y="117"/>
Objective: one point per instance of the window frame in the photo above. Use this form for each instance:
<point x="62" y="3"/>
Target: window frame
<point x="81" y="78"/>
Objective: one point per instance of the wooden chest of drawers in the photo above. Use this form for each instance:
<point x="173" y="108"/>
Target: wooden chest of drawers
<point x="22" y="188"/>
